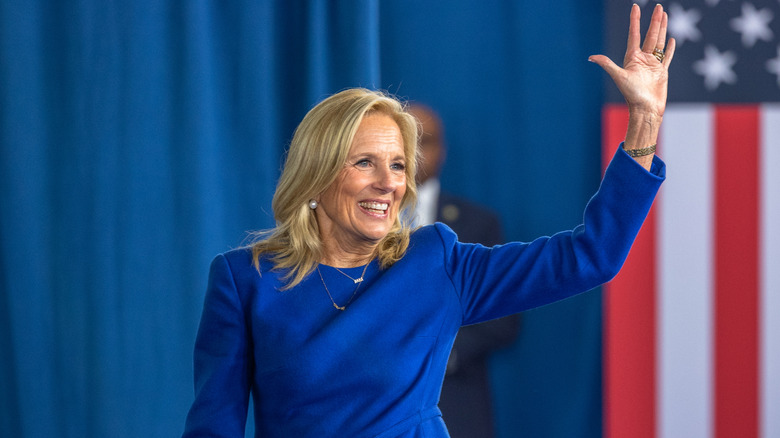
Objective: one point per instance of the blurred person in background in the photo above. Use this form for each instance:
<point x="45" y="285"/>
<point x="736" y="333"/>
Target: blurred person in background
<point x="466" y="398"/>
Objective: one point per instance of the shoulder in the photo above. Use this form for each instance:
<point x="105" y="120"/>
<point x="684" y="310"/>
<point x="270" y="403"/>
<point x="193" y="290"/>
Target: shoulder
<point x="240" y="266"/>
<point x="436" y="232"/>
<point x="237" y="259"/>
<point x="433" y="238"/>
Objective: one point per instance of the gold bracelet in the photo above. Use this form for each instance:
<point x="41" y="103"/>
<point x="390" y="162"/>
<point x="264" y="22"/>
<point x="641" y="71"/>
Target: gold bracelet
<point x="640" y="152"/>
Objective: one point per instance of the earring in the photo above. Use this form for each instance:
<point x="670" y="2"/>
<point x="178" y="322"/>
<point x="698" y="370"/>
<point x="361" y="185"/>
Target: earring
<point x="313" y="204"/>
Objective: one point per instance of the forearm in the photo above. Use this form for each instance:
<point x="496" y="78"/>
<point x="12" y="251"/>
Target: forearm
<point x="517" y="276"/>
<point x="643" y="128"/>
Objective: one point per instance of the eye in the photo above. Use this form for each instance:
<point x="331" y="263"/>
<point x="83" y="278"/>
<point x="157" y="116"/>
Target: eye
<point x="400" y="167"/>
<point x="363" y="163"/>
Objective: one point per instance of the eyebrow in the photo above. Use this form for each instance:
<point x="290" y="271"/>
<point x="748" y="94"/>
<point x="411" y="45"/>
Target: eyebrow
<point x="401" y="157"/>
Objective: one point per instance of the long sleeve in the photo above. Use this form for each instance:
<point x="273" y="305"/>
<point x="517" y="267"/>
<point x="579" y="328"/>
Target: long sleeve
<point x="222" y="361"/>
<point x="514" y="277"/>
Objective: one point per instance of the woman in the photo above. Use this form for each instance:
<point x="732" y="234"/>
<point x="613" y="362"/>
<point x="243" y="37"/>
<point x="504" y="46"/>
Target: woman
<point x="339" y="321"/>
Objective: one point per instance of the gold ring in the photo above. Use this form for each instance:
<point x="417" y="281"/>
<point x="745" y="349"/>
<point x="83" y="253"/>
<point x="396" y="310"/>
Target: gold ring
<point x="659" y="54"/>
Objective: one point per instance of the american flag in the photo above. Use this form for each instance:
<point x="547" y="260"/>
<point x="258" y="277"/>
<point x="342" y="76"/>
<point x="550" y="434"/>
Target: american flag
<point x="692" y="323"/>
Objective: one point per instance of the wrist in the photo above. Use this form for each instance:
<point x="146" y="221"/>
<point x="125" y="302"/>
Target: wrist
<point x="636" y="152"/>
<point x="643" y="156"/>
<point x="646" y="111"/>
<point x="645" y="118"/>
<point x="643" y="129"/>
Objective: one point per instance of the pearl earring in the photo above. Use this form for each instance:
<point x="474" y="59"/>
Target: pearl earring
<point x="313" y="204"/>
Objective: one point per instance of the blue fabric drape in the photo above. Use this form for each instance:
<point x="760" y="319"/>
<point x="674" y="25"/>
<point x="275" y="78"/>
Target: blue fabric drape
<point x="138" y="139"/>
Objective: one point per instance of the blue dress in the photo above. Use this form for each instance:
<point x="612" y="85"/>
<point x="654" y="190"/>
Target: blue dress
<point x="376" y="368"/>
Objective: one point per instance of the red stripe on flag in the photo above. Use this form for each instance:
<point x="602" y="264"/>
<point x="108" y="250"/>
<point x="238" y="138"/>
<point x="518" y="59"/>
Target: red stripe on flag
<point x="629" y="321"/>
<point x="736" y="271"/>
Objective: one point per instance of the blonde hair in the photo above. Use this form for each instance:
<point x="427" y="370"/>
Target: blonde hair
<point x="318" y="151"/>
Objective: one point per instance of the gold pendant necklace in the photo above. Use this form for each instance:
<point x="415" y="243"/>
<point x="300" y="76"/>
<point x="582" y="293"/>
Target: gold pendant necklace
<point x="357" y="281"/>
<point x="354" y="280"/>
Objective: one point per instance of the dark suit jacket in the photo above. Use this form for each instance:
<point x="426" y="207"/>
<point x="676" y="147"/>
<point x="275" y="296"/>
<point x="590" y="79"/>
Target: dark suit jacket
<point x="466" y="400"/>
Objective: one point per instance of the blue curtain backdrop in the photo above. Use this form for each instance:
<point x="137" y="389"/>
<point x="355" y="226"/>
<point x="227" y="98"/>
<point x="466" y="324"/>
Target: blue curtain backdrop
<point x="138" y="139"/>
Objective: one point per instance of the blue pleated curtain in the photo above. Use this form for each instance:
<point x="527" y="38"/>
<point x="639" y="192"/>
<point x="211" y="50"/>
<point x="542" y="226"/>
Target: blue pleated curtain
<point x="138" y="139"/>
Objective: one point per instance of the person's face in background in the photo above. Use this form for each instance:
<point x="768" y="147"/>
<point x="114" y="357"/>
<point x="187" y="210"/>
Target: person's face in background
<point x="431" y="143"/>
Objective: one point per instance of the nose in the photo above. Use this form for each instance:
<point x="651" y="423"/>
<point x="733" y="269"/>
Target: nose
<point x="387" y="180"/>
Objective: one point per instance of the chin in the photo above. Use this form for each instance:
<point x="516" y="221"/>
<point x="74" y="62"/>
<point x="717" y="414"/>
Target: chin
<point x="375" y="234"/>
<point x="376" y="237"/>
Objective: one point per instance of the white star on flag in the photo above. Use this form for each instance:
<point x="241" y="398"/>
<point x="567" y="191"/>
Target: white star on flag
<point x="727" y="49"/>
<point x="716" y="67"/>
<point x="682" y="24"/>
<point x="753" y="25"/>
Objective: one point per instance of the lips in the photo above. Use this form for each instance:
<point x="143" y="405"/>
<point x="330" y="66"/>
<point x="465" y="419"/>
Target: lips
<point x="374" y="207"/>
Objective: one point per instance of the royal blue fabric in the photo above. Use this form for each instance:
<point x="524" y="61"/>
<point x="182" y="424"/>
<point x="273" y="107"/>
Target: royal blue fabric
<point x="314" y="371"/>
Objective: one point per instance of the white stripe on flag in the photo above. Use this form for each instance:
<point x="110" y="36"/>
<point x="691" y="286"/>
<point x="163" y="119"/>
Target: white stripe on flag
<point x="770" y="269"/>
<point x="685" y="308"/>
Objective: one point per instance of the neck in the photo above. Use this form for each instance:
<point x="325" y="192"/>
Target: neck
<point x="341" y="258"/>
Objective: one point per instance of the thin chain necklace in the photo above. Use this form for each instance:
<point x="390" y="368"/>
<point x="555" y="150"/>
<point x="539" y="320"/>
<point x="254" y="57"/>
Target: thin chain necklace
<point x="354" y="280"/>
<point x="357" y="281"/>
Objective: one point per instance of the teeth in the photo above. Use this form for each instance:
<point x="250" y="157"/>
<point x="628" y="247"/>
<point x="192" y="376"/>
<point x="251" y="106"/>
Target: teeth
<point x="374" y="205"/>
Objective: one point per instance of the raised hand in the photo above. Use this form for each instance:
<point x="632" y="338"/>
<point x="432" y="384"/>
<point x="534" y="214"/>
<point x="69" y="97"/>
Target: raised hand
<point x="643" y="79"/>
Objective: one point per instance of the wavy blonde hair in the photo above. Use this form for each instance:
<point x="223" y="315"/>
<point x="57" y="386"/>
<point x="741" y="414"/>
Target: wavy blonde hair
<point x="317" y="153"/>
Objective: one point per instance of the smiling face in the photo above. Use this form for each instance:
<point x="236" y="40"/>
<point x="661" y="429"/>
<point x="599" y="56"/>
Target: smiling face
<point x="358" y="210"/>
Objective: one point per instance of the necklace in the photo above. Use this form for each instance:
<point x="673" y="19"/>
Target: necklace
<point x="354" y="280"/>
<point x="357" y="281"/>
